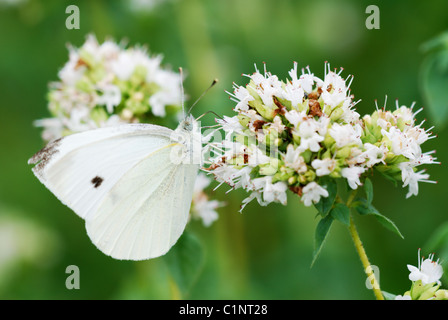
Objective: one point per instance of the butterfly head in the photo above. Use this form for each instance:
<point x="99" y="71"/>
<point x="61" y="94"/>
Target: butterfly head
<point x="188" y="124"/>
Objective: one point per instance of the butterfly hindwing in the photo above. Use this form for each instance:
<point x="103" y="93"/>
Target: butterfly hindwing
<point x="143" y="215"/>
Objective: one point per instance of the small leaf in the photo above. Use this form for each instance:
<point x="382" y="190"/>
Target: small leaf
<point x="437" y="43"/>
<point x="368" y="188"/>
<point x="341" y="213"/>
<point x="322" y="229"/>
<point x="365" y="208"/>
<point x="185" y="261"/>
<point x="389" y="224"/>
<point x="325" y="204"/>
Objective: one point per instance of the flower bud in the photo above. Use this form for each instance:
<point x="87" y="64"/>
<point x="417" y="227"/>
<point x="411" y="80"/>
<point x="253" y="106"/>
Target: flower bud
<point x="336" y="114"/>
<point x="441" y="294"/>
<point x="264" y="111"/>
<point x="270" y="168"/>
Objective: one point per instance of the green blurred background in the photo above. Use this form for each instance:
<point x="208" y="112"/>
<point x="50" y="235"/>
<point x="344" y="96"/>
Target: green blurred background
<point x="266" y="252"/>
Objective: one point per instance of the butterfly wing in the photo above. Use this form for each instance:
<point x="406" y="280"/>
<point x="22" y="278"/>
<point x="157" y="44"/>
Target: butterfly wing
<point x="143" y="215"/>
<point x="123" y="182"/>
<point x="82" y="168"/>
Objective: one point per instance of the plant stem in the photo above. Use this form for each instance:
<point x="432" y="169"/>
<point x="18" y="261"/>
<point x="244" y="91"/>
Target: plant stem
<point x="362" y="253"/>
<point x="174" y="289"/>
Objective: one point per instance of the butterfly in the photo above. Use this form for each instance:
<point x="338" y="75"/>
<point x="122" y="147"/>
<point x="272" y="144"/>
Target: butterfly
<point x="132" y="183"/>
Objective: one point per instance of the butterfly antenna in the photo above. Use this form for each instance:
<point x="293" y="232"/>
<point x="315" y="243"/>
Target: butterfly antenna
<point x="210" y="111"/>
<point x="182" y="91"/>
<point x="215" y="81"/>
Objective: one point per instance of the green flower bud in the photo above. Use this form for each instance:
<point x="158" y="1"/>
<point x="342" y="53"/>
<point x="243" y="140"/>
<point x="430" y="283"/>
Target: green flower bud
<point x="85" y="85"/>
<point x="310" y="175"/>
<point x="270" y="168"/>
<point x="285" y="103"/>
<point x="392" y="172"/>
<point x="264" y="111"/>
<point x="87" y="58"/>
<point x="422" y="292"/>
<point x="96" y="74"/>
<point x="441" y="295"/>
<point x="344" y="152"/>
<point x="296" y="138"/>
<point x="136" y="107"/>
<point x="328" y="141"/>
<point x="283" y="175"/>
<point x="98" y="114"/>
<point x="326" y="108"/>
<point x="368" y="136"/>
<point x="336" y="173"/>
<point x="336" y="114"/>
<point x="392" y="159"/>
<point x="326" y="154"/>
<point x="429" y="293"/>
<point x="302" y="179"/>
<point x="239" y="161"/>
<point x="244" y="120"/>
<point x="292" y="180"/>
<point x="245" y="139"/>
<point x="401" y="124"/>
<point x="307" y="154"/>
<point x="138" y="76"/>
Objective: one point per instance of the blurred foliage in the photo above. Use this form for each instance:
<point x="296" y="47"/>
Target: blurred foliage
<point x="434" y="78"/>
<point x="266" y="252"/>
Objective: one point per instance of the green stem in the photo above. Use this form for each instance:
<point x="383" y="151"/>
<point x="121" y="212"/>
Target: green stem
<point x="174" y="289"/>
<point x="362" y="253"/>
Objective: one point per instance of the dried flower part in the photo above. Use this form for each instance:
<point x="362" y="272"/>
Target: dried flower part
<point x="292" y="134"/>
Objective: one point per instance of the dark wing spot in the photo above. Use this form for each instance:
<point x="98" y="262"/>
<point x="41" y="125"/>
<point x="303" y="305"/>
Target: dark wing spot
<point x="97" y="181"/>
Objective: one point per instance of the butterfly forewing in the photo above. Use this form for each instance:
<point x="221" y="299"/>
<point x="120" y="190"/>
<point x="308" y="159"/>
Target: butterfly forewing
<point x="80" y="169"/>
<point x="122" y="181"/>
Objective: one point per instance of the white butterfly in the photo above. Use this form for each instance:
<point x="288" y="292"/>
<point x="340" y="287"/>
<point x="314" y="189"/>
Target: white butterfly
<point x="132" y="184"/>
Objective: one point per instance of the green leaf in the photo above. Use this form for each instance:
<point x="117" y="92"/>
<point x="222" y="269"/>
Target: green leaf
<point x="341" y="213"/>
<point x="364" y="208"/>
<point x="185" y="261"/>
<point x="322" y="229"/>
<point x="368" y="188"/>
<point x="388" y="296"/>
<point x="434" y="81"/>
<point x="437" y="43"/>
<point x="325" y="204"/>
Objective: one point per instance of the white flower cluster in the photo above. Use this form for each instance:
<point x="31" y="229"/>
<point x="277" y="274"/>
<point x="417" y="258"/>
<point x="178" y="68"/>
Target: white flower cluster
<point x="294" y="134"/>
<point x="107" y="84"/>
<point x="425" y="281"/>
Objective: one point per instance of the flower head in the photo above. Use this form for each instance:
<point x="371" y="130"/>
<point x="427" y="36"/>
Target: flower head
<point x="294" y="134"/>
<point x="428" y="271"/>
<point x="105" y="84"/>
<point x="425" y="281"/>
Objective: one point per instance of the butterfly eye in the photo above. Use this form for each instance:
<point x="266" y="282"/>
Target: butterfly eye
<point x="188" y="125"/>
